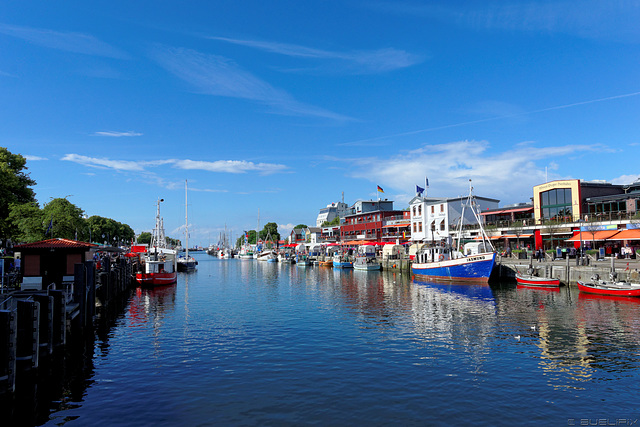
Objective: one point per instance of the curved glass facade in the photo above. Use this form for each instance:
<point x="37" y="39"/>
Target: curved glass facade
<point x="557" y="204"/>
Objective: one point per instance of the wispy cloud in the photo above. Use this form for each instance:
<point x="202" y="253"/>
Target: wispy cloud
<point x="615" y="19"/>
<point x="365" y="61"/>
<point x="67" y="41"/>
<point x="34" y="158"/>
<point x="117" y="134"/>
<point x="508" y="176"/>
<point x="220" y="76"/>
<point x="510" y="111"/>
<point x="103" y="163"/>
<point x="219" y="166"/>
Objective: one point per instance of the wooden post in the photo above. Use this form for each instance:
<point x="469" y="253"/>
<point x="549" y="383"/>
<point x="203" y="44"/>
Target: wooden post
<point x="27" y="345"/>
<point x="7" y="351"/>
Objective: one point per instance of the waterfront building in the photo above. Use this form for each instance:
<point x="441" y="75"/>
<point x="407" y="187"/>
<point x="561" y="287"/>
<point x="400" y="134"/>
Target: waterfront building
<point x="331" y="212"/>
<point x="436" y="218"/>
<point x="367" y="219"/>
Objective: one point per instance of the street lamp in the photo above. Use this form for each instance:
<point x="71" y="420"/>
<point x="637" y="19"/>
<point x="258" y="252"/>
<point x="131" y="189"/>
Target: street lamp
<point x="580" y="221"/>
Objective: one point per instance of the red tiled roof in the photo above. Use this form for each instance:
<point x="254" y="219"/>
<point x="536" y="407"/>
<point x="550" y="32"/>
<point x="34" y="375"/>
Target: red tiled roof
<point x="56" y="244"/>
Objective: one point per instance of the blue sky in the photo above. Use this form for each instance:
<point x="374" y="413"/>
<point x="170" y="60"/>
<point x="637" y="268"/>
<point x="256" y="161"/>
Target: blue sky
<point x="281" y="106"/>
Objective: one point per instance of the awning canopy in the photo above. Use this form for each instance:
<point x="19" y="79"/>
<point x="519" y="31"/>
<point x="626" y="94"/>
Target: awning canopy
<point x="593" y="235"/>
<point x="507" y="210"/>
<point x="513" y="236"/>
<point x="633" y="234"/>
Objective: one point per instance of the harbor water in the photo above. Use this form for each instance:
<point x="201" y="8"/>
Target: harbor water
<point x="256" y="343"/>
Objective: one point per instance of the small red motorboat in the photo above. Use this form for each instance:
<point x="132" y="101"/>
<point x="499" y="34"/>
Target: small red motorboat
<point x="611" y="287"/>
<point x="531" y="280"/>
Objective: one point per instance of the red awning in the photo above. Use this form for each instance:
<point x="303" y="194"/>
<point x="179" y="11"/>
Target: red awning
<point x="592" y="236"/>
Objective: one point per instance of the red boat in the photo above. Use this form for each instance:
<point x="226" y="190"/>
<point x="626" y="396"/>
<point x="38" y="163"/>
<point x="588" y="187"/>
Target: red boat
<point x="159" y="263"/>
<point x="622" y="289"/>
<point x="530" y="280"/>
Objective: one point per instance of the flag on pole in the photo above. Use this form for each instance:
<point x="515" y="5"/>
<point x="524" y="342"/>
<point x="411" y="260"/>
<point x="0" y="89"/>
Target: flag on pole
<point x="49" y="227"/>
<point x="380" y="190"/>
<point x="426" y="182"/>
<point x="419" y="189"/>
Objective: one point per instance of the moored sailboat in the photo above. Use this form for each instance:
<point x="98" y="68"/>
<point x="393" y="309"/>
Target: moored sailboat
<point x="186" y="262"/>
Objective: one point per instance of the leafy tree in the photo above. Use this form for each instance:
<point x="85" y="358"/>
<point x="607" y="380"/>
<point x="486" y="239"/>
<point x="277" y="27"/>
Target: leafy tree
<point x="251" y="239"/>
<point x="106" y="229"/>
<point x="271" y="230"/>
<point x="303" y="226"/>
<point x="14" y="188"/>
<point x="144" y="238"/>
<point x="27" y="222"/>
<point x="65" y="218"/>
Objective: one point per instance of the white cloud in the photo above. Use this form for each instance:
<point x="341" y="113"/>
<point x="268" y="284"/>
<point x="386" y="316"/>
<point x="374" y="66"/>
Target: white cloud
<point x="508" y="176"/>
<point x="625" y="179"/>
<point x="117" y="134"/>
<point x="102" y="163"/>
<point x="220" y="76"/>
<point x="371" y="61"/>
<point x="34" y="158"/>
<point x="221" y="166"/>
<point x="229" y="166"/>
<point x="66" y="41"/>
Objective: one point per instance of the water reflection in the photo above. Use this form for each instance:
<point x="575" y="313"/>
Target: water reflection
<point x="247" y="342"/>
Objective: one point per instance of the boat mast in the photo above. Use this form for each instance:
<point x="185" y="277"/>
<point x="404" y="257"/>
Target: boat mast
<point x="157" y="237"/>
<point x="186" y="221"/>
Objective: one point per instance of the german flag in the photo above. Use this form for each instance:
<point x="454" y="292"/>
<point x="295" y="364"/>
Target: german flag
<point x="380" y="190"/>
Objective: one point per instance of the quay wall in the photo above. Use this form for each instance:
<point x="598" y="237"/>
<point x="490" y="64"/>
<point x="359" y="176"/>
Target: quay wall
<point x="566" y="270"/>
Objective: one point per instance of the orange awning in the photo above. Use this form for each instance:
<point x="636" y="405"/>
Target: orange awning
<point x="591" y="236"/>
<point x="513" y="236"/>
<point x="633" y="234"/>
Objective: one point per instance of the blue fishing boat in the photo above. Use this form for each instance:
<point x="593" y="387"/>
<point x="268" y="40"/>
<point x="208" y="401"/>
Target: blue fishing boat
<point x="444" y="261"/>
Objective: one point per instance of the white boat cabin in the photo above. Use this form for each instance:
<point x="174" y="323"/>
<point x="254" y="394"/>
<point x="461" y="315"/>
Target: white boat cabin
<point x="163" y="261"/>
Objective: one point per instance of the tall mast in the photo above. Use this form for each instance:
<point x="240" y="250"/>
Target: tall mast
<point x="186" y="221"/>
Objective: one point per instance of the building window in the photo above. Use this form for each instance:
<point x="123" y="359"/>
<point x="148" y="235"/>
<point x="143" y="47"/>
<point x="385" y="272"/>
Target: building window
<point x="556" y="204"/>
<point x="419" y="209"/>
<point x="414" y="227"/>
<point x="442" y="226"/>
<point x="420" y="227"/>
<point x="433" y="209"/>
<point x="414" y="211"/>
<point x="441" y="208"/>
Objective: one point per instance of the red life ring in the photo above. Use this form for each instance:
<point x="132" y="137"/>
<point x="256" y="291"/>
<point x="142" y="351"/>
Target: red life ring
<point x="441" y="257"/>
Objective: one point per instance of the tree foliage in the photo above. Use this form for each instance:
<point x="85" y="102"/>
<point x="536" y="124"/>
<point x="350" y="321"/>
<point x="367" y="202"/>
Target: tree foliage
<point x="303" y="226"/>
<point x="334" y="221"/>
<point x="251" y="239"/>
<point x="108" y="230"/>
<point x="270" y="231"/>
<point x="144" y="238"/>
<point x="14" y="188"/>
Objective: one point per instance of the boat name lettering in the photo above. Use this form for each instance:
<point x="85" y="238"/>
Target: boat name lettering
<point x="475" y="258"/>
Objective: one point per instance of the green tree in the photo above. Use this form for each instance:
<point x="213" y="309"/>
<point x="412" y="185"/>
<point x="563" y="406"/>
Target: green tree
<point x="27" y="222"/>
<point x="144" y="238"/>
<point x="270" y="230"/>
<point x="66" y="219"/>
<point x="110" y="229"/>
<point x="14" y="188"/>
<point x="303" y="226"/>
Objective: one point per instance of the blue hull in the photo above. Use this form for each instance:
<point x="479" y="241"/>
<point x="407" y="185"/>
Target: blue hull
<point x="475" y="268"/>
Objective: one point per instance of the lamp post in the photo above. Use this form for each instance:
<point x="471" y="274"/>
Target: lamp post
<point x="581" y="256"/>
